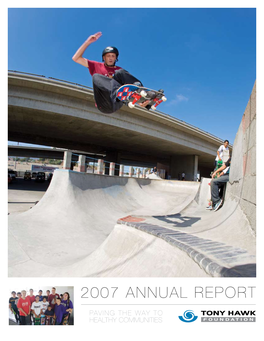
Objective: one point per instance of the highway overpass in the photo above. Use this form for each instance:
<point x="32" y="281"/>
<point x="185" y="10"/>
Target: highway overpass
<point x="47" y="153"/>
<point x="51" y="112"/>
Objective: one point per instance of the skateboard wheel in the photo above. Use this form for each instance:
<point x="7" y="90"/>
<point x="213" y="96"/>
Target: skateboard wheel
<point x="131" y="105"/>
<point x="164" y="98"/>
<point x="143" y="93"/>
<point x="153" y="107"/>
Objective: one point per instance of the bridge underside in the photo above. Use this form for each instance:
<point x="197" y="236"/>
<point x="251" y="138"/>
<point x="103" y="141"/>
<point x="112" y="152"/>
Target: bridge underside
<point x="54" y="113"/>
<point x="130" y="147"/>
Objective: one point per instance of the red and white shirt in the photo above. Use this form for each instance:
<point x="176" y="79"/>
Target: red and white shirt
<point x="25" y="304"/>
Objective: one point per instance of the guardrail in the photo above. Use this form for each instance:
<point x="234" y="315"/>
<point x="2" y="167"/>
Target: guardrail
<point x="87" y="164"/>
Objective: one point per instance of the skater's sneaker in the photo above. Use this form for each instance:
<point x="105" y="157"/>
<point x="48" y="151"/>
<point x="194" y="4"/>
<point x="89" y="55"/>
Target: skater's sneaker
<point x="148" y="106"/>
<point x="137" y="83"/>
<point x="209" y="208"/>
<point x="151" y="94"/>
<point x="218" y="205"/>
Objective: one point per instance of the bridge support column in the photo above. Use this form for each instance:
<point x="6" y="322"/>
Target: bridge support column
<point x="131" y="171"/>
<point x="67" y="160"/>
<point x="113" y="156"/>
<point x="82" y="166"/>
<point x="195" y="169"/>
<point x="121" y="170"/>
<point x="144" y="173"/>
<point x="100" y="166"/>
<point x="138" y="172"/>
<point x="112" y="169"/>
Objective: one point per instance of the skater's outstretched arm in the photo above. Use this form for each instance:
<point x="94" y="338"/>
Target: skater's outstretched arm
<point x="78" y="58"/>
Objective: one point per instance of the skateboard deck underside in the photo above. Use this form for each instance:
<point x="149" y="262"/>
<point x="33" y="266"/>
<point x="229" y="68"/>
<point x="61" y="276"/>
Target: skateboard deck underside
<point x="131" y="95"/>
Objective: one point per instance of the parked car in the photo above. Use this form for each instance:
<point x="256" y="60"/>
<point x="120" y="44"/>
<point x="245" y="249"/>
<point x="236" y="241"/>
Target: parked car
<point x="34" y="174"/>
<point x="40" y="177"/>
<point x="12" y="173"/>
<point x="27" y="175"/>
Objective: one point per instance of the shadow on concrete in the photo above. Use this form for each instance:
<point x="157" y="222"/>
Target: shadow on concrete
<point x="178" y="220"/>
<point x="29" y="185"/>
<point x="245" y="270"/>
<point x="104" y="182"/>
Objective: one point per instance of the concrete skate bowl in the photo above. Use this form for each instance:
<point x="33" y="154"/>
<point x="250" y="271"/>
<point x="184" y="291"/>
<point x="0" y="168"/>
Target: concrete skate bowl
<point x="95" y="225"/>
<point x="77" y="214"/>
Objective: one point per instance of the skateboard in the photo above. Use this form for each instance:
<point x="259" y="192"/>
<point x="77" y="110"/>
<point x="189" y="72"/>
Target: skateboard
<point x="66" y="320"/>
<point x="132" y="94"/>
<point x="37" y="321"/>
<point x="42" y="320"/>
<point x="219" y="164"/>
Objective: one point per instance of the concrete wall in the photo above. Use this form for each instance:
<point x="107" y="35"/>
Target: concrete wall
<point x="242" y="181"/>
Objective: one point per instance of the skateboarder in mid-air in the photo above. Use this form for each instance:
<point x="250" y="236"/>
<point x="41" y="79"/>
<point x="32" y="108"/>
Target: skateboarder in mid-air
<point x="107" y="77"/>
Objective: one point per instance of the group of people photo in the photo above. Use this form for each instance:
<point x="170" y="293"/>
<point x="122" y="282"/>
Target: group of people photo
<point x="37" y="308"/>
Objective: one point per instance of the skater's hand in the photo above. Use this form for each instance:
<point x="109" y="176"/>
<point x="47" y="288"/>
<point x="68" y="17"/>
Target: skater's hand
<point x="94" y="37"/>
<point x="144" y="104"/>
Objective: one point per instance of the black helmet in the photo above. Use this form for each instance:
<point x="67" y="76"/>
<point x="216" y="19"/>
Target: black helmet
<point x="110" y="49"/>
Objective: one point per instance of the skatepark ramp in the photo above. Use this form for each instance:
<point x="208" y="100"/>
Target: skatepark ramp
<point x="79" y="211"/>
<point x="96" y="225"/>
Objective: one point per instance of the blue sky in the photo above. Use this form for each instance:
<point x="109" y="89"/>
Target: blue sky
<point x="204" y="59"/>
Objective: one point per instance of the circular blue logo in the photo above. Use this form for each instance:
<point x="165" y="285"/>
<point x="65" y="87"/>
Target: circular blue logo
<point x="188" y="316"/>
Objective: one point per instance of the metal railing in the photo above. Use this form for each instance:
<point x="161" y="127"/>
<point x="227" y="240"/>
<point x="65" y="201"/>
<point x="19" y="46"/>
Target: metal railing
<point x="103" y="167"/>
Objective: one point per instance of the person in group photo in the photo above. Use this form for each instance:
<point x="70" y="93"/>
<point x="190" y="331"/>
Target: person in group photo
<point x="40" y="295"/>
<point x="52" y="298"/>
<point x="59" y="311"/>
<point x="13" y="306"/>
<point x="49" y="316"/>
<point x="36" y="308"/>
<point x="44" y="305"/>
<point x="31" y="296"/>
<point x="24" y="307"/>
<point x="68" y="306"/>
